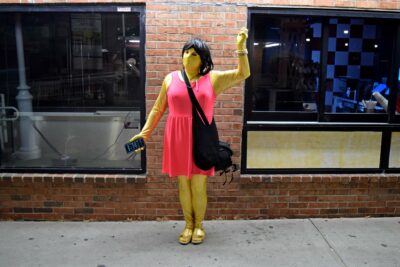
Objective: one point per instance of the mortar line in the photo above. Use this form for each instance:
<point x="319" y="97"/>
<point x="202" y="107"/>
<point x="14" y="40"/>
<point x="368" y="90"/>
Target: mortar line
<point x="328" y="243"/>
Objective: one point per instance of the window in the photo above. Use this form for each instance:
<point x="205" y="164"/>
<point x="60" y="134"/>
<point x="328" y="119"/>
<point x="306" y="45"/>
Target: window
<point x="71" y="86"/>
<point x="286" y="57"/>
<point x="358" y="65"/>
<point x="324" y="92"/>
<point x="311" y="66"/>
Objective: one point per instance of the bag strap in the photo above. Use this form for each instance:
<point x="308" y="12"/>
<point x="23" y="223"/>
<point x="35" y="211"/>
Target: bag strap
<point x="194" y="99"/>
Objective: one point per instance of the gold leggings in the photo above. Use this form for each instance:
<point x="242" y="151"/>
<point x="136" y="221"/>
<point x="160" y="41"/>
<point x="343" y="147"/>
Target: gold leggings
<point x="193" y="198"/>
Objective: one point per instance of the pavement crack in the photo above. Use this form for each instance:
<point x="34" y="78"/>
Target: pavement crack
<point x="332" y="248"/>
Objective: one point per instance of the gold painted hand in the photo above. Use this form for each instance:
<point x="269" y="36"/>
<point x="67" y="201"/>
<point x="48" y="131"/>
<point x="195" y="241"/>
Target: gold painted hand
<point x="155" y="114"/>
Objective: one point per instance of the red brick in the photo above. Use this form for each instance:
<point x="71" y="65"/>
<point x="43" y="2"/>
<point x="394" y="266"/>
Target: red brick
<point x="104" y="211"/>
<point x="318" y="205"/>
<point x="329" y="211"/>
<point x="367" y="210"/>
<point x="347" y="210"/>
<point x="309" y="211"/>
<point x="387" y="4"/>
<point x="337" y="204"/>
<point x="395" y="204"/>
<point x="278" y="205"/>
<point x="307" y="198"/>
<point x="386" y="210"/>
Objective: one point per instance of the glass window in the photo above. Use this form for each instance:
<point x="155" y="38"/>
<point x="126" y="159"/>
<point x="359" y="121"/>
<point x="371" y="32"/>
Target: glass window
<point x="318" y="67"/>
<point x="78" y="86"/>
<point x="286" y="60"/>
<point x="322" y="70"/>
<point x="358" y="65"/>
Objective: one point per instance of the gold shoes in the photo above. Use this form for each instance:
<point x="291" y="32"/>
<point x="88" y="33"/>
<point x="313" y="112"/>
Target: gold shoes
<point x="198" y="236"/>
<point x="186" y="236"/>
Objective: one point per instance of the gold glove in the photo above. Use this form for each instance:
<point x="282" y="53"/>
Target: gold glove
<point x="222" y="80"/>
<point x="241" y="39"/>
<point x="156" y="112"/>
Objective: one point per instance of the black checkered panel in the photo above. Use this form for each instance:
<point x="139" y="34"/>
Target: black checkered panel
<point x="351" y="51"/>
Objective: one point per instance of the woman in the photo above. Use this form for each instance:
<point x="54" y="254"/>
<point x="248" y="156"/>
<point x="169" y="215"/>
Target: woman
<point x="177" y="155"/>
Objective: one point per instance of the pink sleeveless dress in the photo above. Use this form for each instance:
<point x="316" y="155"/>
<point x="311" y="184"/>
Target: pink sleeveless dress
<point x="178" y="138"/>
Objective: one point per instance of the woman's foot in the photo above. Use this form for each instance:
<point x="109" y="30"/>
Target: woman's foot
<point x="198" y="235"/>
<point x="186" y="236"/>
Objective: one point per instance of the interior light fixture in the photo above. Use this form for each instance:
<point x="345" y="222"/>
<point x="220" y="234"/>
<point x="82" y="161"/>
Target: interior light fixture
<point x="270" y="44"/>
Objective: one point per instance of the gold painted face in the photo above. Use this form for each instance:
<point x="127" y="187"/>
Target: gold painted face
<point x="191" y="60"/>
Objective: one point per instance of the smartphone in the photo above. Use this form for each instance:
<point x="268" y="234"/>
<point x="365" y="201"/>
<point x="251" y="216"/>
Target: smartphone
<point x="132" y="146"/>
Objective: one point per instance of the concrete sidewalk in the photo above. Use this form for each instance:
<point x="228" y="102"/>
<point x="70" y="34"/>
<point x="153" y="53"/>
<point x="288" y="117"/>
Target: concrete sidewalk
<point x="305" y="242"/>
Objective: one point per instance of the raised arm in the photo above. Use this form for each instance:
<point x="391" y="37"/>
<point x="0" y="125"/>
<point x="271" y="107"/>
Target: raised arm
<point x="156" y="112"/>
<point x="222" y="80"/>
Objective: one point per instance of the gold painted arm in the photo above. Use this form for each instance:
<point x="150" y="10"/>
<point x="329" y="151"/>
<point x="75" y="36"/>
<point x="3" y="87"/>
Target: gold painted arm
<point x="222" y="80"/>
<point x="156" y="112"/>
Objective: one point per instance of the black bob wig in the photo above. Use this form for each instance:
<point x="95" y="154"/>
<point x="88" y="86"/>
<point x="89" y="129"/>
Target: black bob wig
<point x="202" y="49"/>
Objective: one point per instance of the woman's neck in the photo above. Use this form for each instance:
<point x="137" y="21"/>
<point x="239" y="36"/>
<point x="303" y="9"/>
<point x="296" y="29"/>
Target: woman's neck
<point x="192" y="75"/>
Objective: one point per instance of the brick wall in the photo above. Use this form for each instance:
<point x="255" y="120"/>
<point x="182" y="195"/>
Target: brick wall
<point x="154" y="196"/>
<point x="116" y="197"/>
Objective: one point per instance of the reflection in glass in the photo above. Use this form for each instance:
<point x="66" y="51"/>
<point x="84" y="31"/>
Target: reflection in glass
<point x="78" y="140"/>
<point x="76" y="60"/>
<point x="80" y="68"/>
<point x="358" y="65"/>
<point x="286" y="63"/>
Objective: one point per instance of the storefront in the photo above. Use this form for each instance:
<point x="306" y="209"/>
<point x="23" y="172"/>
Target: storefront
<point x="76" y="81"/>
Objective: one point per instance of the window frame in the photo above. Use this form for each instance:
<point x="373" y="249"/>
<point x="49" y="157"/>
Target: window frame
<point x="395" y="118"/>
<point x="92" y="8"/>
<point x="321" y="115"/>
<point x="321" y="120"/>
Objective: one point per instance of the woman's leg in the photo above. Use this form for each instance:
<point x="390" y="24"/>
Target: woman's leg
<point x="199" y="202"/>
<point x="185" y="197"/>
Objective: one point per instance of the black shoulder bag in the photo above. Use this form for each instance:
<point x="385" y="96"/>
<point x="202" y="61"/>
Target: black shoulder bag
<point x="208" y="151"/>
